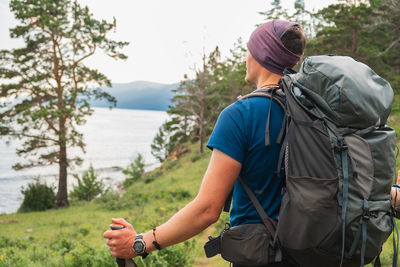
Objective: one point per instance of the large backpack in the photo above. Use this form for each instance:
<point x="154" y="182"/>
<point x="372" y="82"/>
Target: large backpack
<point x="338" y="157"/>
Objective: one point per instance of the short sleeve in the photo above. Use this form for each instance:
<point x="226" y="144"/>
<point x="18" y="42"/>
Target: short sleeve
<point x="229" y="134"/>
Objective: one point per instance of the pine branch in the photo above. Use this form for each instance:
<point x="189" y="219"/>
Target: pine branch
<point x="389" y="47"/>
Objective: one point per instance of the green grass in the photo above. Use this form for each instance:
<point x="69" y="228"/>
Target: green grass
<point x="147" y="203"/>
<point x="66" y="237"/>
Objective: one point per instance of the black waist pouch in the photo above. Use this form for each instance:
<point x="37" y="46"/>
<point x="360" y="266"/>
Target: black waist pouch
<point x="248" y="244"/>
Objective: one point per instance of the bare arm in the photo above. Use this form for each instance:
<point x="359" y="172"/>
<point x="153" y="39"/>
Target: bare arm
<point x="396" y="193"/>
<point x="204" y="210"/>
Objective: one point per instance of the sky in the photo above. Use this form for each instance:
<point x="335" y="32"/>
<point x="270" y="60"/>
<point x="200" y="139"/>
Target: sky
<point x="167" y="37"/>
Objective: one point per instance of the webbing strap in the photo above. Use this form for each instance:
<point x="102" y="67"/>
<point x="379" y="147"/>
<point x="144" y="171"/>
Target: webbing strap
<point x="396" y="240"/>
<point x="355" y="241"/>
<point x="268" y="222"/>
<point x="281" y="156"/>
<point x="273" y="94"/>
<point x="228" y="201"/>
<point x="267" y="136"/>
<point x="395" y="243"/>
<point x="364" y="231"/>
<point x="345" y="168"/>
<point x="377" y="262"/>
<point x="282" y="131"/>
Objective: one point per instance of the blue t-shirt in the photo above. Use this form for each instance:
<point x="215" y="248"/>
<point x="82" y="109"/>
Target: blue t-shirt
<point x="240" y="133"/>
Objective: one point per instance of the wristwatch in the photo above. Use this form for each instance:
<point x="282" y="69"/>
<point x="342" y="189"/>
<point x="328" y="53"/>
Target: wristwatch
<point x="139" y="246"/>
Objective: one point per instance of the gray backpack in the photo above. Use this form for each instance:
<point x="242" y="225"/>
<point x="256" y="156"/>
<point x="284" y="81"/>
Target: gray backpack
<point x="338" y="157"/>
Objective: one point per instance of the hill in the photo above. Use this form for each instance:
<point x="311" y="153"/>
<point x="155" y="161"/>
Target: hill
<point x="139" y="95"/>
<point x="73" y="236"/>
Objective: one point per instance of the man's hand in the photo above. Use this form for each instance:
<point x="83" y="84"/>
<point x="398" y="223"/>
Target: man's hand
<point x="120" y="241"/>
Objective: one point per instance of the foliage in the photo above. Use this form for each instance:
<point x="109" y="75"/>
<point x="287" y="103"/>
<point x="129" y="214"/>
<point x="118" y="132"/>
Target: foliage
<point x="275" y="12"/>
<point x="199" y="100"/>
<point x="65" y="251"/>
<point x="62" y="251"/>
<point x="134" y="171"/>
<point x="111" y="200"/>
<point x="173" y="195"/>
<point x="170" y="164"/>
<point x="175" y="256"/>
<point x="89" y="186"/>
<point x="58" y="233"/>
<point x="366" y="30"/>
<point x="45" y="86"/>
<point x="37" y="197"/>
<point x="151" y="176"/>
<point x="169" y="136"/>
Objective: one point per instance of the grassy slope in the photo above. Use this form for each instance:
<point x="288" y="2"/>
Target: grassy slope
<point x="164" y="197"/>
<point x="172" y="178"/>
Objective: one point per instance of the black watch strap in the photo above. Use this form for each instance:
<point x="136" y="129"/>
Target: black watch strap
<point x="143" y="254"/>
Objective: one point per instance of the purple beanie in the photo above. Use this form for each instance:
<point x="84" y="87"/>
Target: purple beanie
<point x="266" y="47"/>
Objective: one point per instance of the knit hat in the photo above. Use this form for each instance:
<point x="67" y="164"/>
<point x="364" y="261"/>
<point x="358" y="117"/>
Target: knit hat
<point x="266" y="47"/>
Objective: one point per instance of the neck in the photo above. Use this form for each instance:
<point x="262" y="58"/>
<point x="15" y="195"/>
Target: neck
<point x="268" y="79"/>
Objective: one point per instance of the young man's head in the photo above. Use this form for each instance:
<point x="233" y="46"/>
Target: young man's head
<point x="274" y="46"/>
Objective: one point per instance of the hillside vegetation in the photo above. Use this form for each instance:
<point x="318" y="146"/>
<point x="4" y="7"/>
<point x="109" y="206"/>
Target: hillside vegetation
<point x="73" y="236"/>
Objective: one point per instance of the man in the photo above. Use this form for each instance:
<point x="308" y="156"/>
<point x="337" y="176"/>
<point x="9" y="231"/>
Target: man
<point x="238" y="144"/>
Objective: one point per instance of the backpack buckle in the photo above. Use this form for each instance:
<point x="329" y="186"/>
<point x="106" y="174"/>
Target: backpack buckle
<point x="366" y="214"/>
<point x="340" y="145"/>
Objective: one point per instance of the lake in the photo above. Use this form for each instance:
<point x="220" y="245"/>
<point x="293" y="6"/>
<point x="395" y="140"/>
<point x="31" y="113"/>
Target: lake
<point x="113" y="139"/>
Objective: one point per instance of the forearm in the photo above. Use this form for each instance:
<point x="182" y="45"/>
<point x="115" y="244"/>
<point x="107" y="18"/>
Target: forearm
<point x="188" y="222"/>
<point x="395" y="196"/>
<point x="204" y="210"/>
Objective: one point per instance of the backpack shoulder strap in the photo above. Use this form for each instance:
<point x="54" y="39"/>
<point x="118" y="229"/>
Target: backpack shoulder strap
<point x="279" y="97"/>
<point x="269" y="92"/>
<point x="273" y="93"/>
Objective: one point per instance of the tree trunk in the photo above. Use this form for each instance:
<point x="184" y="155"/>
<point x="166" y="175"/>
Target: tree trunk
<point x="354" y="37"/>
<point x="62" y="194"/>
<point x="201" y="125"/>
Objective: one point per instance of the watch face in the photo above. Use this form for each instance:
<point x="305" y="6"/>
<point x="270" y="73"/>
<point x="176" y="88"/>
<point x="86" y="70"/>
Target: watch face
<point x="138" y="246"/>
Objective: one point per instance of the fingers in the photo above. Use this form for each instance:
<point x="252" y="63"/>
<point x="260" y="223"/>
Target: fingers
<point x="110" y="242"/>
<point x="122" y="222"/>
<point x="108" y="234"/>
<point x="120" y="241"/>
<point x="398" y="177"/>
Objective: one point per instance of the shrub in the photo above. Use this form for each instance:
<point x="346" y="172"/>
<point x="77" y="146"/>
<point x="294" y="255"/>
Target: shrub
<point x="88" y="187"/>
<point x="171" y="164"/>
<point x="111" y="200"/>
<point x="173" y="195"/>
<point x="174" y="256"/>
<point x="63" y="251"/>
<point x="134" y="171"/>
<point x="136" y="198"/>
<point x="195" y="157"/>
<point x="37" y="197"/>
<point x="150" y="177"/>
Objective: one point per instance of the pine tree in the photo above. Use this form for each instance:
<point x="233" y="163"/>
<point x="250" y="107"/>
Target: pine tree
<point x="44" y="96"/>
<point x="275" y="12"/>
<point x="365" y="30"/>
